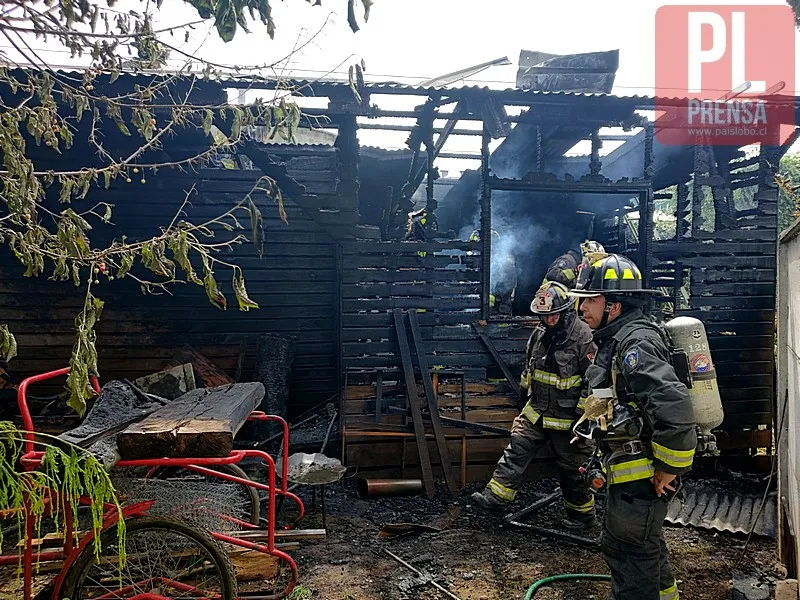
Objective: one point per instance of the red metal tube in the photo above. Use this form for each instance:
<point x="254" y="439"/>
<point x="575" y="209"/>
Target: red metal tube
<point x="379" y="488"/>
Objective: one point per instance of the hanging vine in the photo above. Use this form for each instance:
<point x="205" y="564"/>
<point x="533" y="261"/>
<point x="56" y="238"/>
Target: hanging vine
<point x="67" y="473"/>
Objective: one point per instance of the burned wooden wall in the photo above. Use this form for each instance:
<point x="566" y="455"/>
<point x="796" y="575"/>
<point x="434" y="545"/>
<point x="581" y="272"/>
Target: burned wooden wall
<point x="440" y="280"/>
<point x="294" y="284"/>
<point x="719" y="266"/>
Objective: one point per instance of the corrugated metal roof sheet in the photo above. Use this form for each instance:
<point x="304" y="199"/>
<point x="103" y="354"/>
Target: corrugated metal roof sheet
<point x="229" y="80"/>
<point x="707" y="507"/>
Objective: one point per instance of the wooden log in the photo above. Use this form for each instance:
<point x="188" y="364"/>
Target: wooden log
<point x="252" y="565"/>
<point x="199" y="424"/>
<point x="206" y="371"/>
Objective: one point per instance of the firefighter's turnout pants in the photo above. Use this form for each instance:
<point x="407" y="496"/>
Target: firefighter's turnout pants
<point x="633" y="543"/>
<point x="529" y="433"/>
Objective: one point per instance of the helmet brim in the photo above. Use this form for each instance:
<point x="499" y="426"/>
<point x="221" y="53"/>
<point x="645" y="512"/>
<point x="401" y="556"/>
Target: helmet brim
<point x="564" y="308"/>
<point x="595" y="294"/>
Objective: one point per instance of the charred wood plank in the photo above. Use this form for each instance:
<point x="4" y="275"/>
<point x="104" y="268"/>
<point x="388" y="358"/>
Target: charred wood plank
<point x="427" y="289"/>
<point x="733" y="289"/>
<point x="763" y="302"/>
<point x="383" y="275"/>
<point x="414" y="261"/>
<point x="354" y="305"/>
<point x="686" y="247"/>
<point x="427" y="384"/>
<point x="199" y="424"/>
<point x="414" y="403"/>
<point x="371" y="248"/>
<point x="206" y="371"/>
<point x="512" y="381"/>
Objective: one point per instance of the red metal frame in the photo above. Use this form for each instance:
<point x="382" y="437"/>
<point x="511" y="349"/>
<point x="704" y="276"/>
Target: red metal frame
<point x="32" y="458"/>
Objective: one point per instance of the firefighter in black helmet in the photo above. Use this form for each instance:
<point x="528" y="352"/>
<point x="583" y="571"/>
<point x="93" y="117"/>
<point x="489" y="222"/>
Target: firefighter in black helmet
<point x="564" y="269"/>
<point x="655" y="440"/>
<point x="558" y="353"/>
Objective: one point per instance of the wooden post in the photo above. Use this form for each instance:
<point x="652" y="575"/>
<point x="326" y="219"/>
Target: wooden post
<point x="486" y="226"/>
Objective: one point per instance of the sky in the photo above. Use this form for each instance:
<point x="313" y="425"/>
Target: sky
<point x="412" y="40"/>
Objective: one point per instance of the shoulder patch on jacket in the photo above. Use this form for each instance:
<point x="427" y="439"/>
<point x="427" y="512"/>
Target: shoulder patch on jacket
<point x="632" y="358"/>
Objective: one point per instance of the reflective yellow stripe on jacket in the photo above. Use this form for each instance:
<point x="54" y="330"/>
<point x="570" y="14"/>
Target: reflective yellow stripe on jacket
<point x="630" y="470"/>
<point x="680" y="459"/>
<point x="530" y="414"/>
<point x="558" y="424"/>
<point x="525" y="380"/>
<point x="547" y="422"/>
<point x="560" y="383"/>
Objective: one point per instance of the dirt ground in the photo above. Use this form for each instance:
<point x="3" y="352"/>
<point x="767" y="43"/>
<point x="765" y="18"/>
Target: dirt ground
<point x="477" y="557"/>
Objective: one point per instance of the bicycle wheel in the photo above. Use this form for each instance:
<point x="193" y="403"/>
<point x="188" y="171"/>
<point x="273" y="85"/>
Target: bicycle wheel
<point x="249" y="511"/>
<point x="166" y="558"/>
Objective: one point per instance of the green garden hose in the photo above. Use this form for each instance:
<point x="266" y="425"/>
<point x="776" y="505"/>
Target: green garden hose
<point x="565" y="577"/>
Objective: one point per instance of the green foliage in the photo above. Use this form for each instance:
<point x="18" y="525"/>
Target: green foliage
<point x="66" y="474"/>
<point x="301" y="592"/>
<point x="788" y="201"/>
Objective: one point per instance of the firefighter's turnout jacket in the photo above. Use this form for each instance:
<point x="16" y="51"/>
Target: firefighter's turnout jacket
<point x="633" y="349"/>
<point x="552" y="386"/>
<point x="553" y="378"/>
<point x="564" y="269"/>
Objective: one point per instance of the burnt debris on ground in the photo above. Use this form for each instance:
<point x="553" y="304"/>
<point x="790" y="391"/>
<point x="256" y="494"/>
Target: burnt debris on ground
<point x="475" y="555"/>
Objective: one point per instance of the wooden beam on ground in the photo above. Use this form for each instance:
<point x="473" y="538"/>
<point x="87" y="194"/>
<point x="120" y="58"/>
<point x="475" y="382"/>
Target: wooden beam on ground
<point x="199" y="424"/>
<point x="413" y="403"/>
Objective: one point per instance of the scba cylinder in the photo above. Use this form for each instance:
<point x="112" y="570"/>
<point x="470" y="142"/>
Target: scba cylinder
<point x="689" y="335"/>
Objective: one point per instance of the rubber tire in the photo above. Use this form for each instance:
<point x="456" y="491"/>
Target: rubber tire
<point x="235" y="470"/>
<point x="224" y="566"/>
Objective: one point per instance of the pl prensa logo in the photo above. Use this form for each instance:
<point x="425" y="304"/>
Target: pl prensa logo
<point x="724" y="74"/>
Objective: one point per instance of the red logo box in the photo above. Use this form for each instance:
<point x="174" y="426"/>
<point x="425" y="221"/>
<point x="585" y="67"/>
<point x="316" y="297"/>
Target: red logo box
<point x="724" y="74"/>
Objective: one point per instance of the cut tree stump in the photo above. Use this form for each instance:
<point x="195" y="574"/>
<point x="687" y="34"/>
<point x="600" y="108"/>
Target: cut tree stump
<point x="204" y="369"/>
<point x="199" y="424"/>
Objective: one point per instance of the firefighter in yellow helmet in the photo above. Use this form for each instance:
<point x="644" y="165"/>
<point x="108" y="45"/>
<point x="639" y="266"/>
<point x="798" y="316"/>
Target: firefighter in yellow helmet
<point x="649" y="439"/>
<point x="558" y="353"/>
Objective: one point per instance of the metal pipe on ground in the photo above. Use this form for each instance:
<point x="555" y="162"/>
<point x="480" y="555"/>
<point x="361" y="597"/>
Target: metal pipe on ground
<point x="380" y="488"/>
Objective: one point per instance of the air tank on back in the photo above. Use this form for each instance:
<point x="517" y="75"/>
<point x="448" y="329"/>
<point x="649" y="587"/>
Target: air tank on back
<point x="689" y="335"/>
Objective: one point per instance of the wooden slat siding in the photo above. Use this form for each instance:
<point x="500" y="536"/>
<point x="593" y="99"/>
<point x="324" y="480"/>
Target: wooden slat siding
<point x="488" y="403"/>
<point x="380" y="276"/>
<point x="732" y="290"/>
<point x="294" y="284"/>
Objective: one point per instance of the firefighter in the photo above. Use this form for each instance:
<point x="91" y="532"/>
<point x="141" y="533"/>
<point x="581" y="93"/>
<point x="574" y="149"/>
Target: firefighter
<point x="421" y="226"/>
<point x="650" y="437"/>
<point x="564" y="269"/>
<point x="558" y="353"/>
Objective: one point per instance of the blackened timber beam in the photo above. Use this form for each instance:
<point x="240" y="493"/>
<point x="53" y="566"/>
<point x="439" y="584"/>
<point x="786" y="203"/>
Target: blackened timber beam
<point x="512" y="381"/>
<point x="433" y="409"/>
<point x="486" y="225"/>
<point x="433" y="151"/>
<point x="645" y="233"/>
<point x="412" y="397"/>
<point x="784" y="148"/>
<point x="595" y="187"/>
